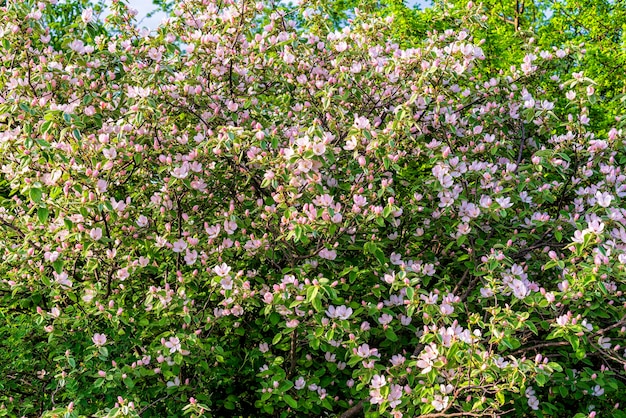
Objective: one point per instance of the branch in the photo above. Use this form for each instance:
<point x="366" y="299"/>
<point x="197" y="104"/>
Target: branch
<point x="521" y="148"/>
<point x="153" y="403"/>
<point x="292" y="353"/>
<point x="615" y="325"/>
<point x="359" y="406"/>
<point x="461" y="282"/>
<point x="20" y="233"/>
<point x="465" y="414"/>
<point x="356" y="409"/>
<point x="535" y="346"/>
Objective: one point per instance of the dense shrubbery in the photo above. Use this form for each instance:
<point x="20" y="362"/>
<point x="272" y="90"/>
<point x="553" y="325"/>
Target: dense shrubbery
<point x="244" y="215"/>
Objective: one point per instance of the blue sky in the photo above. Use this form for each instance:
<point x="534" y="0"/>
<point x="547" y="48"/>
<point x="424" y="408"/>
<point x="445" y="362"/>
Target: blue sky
<point x="145" y="6"/>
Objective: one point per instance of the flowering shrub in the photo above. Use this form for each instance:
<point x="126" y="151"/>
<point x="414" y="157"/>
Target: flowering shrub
<point x="249" y="213"/>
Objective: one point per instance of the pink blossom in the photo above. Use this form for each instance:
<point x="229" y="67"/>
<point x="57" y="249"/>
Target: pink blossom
<point x="62" y="279"/>
<point x="51" y="256"/>
<point x="102" y="186"/>
<point x="378" y="381"/>
<point x="504" y="202"/>
<point x="385" y="319"/>
<point x="389" y="277"/>
<point x="292" y="323"/>
<point x="595" y="225"/>
<point x="339" y="312"/>
<point x="376" y="397"/>
<point x="446" y="309"/>
<point x="230" y="227"/>
<point x="579" y="236"/>
<point x="222" y="270"/>
<point x="78" y="46"/>
<point x="519" y="289"/>
<point x="227" y="283"/>
<point x="99" y="339"/>
<point x="603" y="199"/>
<point x="328" y="254"/>
<point x="87" y="15"/>
<point x="485" y="201"/>
<point x="361" y="122"/>
<point x="395" y="396"/>
<point x="397" y="360"/>
<point x="181" y="172"/>
<point x="440" y="402"/>
<point x="429" y="299"/>
<point x="190" y="257"/>
<point x="142" y="221"/>
<point x="364" y="351"/>
<point x="123" y="274"/>
<point x="288" y="57"/>
<point x="95" y="234"/>
<point x="173" y="344"/>
<point x="299" y="383"/>
<point x="319" y="148"/>
<point x="179" y="246"/>
<point x="341" y="46"/>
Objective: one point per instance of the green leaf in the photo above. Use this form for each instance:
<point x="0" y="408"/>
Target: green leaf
<point x="317" y="303"/>
<point x="58" y="266"/>
<point x="42" y="214"/>
<point x="311" y="293"/>
<point x="46" y="126"/>
<point x="511" y="343"/>
<point x="378" y="253"/>
<point x="558" y="235"/>
<point x="285" y="386"/>
<point x="298" y="230"/>
<point x="315" y="344"/>
<point x="35" y="194"/>
<point x="573" y="340"/>
<point x="531" y="326"/>
<point x="290" y="401"/>
<point x="43" y="143"/>
<point x="391" y="336"/>
<point x="541" y="379"/>
<point x="129" y="383"/>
